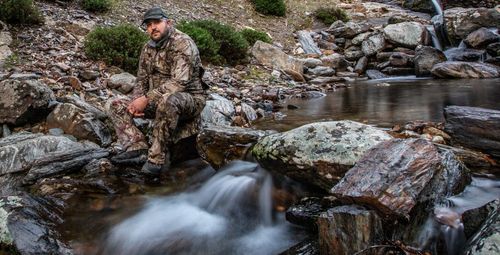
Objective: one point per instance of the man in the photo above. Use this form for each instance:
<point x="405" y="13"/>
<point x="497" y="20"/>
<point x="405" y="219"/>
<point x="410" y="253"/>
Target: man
<point x="168" y="85"/>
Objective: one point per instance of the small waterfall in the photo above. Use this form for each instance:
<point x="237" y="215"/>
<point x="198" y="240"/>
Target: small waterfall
<point x="232" y="213"/>
<point x="437" y="7"/>
<point x="435" y="40"/>
<point x="446" y="220"/>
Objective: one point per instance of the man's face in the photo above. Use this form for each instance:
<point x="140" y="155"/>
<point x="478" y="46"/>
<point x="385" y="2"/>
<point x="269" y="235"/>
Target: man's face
<point x="157" y="28"/>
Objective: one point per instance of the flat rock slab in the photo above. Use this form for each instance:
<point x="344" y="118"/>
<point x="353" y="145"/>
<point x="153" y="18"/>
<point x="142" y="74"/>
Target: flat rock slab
<point x="391" y="176"/>
<point x="320" y="153"/>
<point x="464" y="70"/>
<point x="473" y="127"/>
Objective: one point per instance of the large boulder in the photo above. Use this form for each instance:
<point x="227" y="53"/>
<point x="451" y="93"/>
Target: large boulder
<point x="27" y="225"/>
<point x="219" y="145"/>
<point x="465" y="70"/>
<point x="123" y="82"/>
<point x="320" y="153"/>
<point x="307" y="43"/>
<point x="481" y="38"/>
<point x="474" y="127"/>
<point x="425" y="58"/>
<point x="407" y="34"/>
<point x="218" y="111"/>
<point x="79" y="123"/>
<point x="460" y="22"/>
<point x="465" y="54"/>
<point x="373" y="44"/>
<point x="269" y="55"/>
<point x="23" y="101"/>
<point x="494" y="49"/>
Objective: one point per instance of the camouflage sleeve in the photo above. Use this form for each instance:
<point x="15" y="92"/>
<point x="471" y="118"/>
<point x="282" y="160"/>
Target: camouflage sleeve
<point x="142" y="86"/>
<point x="182" y="69"/>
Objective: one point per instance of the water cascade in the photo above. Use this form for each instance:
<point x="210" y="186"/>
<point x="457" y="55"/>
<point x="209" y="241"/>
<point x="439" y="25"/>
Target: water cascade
<point x="435" y="40"/>
<point x="217" y="218"/>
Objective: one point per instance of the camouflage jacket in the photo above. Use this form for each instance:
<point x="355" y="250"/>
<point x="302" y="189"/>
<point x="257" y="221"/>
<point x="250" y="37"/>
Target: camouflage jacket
<point x="175" y="66"/>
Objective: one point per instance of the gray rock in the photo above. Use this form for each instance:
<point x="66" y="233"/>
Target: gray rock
<point x="361" y="65"/>
<point x="458" y="69"/>
<point x="307" y="211"/>
<point x="465" y="54"/>
<point x="360" y="38"/>
<point x="24" y="76"/>
<point x="248" y="112"/>
<point x="311" y="62"/>
<point x="487" y="240"/>
<point x="481" y="38"/>
<point x="407" y="34"/>
<point x="318" y="154"/>
<point x="399" y="70"/>
<point x="218" y="111"/>
<point x="23" y="101"/>
<point x="375" y="74"/>
<point x="321" y="71"/>
<point x="336" y="61"/>
<point x="73" y="99"/>
<point x="401" y="59"/>
<point x="273" y="57"/>
<point x="353" y="53"/>
<point x="373" y="44"/>
<point x="307" y="43"/>
<point x="325" y="80"/>
<point x="79" y="123"/>
<point x="460" y="22"/>
<point x="494" y="49"/>
<point x="349" y="29"/>
<point x="89" y="75"/>
<point x="425" y="58"/>
<point x="123" y="82"/>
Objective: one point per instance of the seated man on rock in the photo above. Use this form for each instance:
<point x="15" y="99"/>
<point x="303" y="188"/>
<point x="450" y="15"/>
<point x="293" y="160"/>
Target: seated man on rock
<point x="168" y="88"/>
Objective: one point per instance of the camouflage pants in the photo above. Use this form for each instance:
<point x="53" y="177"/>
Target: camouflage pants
<point x="167" y="113"/>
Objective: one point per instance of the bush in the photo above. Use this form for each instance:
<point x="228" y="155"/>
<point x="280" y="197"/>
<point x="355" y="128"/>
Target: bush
<point x="96" y="5"/>
<point x="119" y="45"/>
<point x="19" y="12"/>
<point x="232" y="47"/>
<point x="206" y="43"/>
<point x="270" y="7"/>
<point x="253" y="35"/>
<point x="330" y="15"/>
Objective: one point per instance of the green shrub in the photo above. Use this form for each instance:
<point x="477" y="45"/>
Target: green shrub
<point x="96" y="5"/>
<point x="270" y="7"/>
<point x="206" y="43"/>
<point x="120" y="45"/>
<point x="254" y="35"/>
<point x="330" y="15"/>
<point x="231" y="44"/>
<point x="20" y="12"/>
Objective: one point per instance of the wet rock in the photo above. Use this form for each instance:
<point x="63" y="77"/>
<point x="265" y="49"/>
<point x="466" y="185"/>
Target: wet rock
<point x="474" y="160"/>
<point x="487" y="240"/>
<point x="348" y="229"/>
<point x="425" y="58"/>
<point x="469" y="55"/>
<point x="80" y="123"/>
<point x="318" y="154"/>
<point x="311" y="62"/>
<point x="391" y="176"/>
<point x="407" y="34"/>
<point x="493" y="61"/>
<point x="373" y="44"/>
<point x="481" y="38"/>
<point x="375" y="74"/>
<point x="493" y="49"/>
<point x="218" y="111"/>
<point x="248" y="112"/>
<point x="123" y="82"/>
<point x="219" y="145"/>
<point x="23" y="101"/>
<point x="27" y="225"/>
<point x="460" y="22"/>
<point x="401" y="59"/>
<point x="309" y="246"/>
<point x="321" y="71"/>
<point x="336" y="61"/>
<point x="272" y="56"/>
<point x="307" y="43"/>
<point x="458" y="69"/>
<point x="361" y="65"/>
<point x="307" y="211"/>
<point x="474" y="127"/>
<point x="398" y="70"/>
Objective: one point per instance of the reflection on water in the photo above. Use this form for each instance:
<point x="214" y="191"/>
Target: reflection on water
<point x="388" y="102"/>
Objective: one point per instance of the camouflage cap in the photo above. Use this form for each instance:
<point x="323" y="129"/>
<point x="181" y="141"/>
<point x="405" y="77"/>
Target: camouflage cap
<point x="154" y="13"/>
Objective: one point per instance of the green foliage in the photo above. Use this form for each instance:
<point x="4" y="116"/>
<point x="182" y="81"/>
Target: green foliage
<point x="330" y="15"/>
<point x="231" y="45"/>
<point x="206" y="43"/>
<point x="96" y="5"/>
<point x="254" y="35"/>
<point x="270" y="7"/>
<point x="20" y="12"/>
<point x="120" y="45"/>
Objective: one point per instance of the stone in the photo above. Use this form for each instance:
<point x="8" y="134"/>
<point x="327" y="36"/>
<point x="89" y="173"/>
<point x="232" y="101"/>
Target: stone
<point x="75" y="100"/>
<point x="481" y="38"/>
<point x="328" y="46"/>
<point x="319" y="153"/>
<point x="307" y="43"/>
<point x="218" y="111"/>
<point x="79" y="123"/>
<point x="465" y="70"/>
<point x="24" y="101"/>
<point x="407" y="34"/>
<point x="487" y="240"/>
<point x="345" y="230"/>
<point x="425" y="58"/>
<point x="494" y="49"/>
<point x="311" y="62"/>
<point x="248" y="112"/>
<point x="296" y="76"/>
<point x="353" y="53"/>
<point x="375" y="74"/>
<point x="336" y="61"/>
<point x="123" y="82"/>
<point x="460" y="22"/>
<point x="401" y="59"/>
<point x="360" y="38"/>
<point x="218" y="145"/>
<point x="373" y="44"/>
<point x="349" y="29"/>
<point x="24" y="76"/>
<point x="321" y="71"/>
<point x="400" y="71"/>
<point x="474" y="127"/>
<point x="64" y="67"/>
<point x="89" y="75"/>
<point x="271" y="56"/>
<point x="307" y="211"/>
<point x="468" y="55"/>
<point x="361" y="65"/>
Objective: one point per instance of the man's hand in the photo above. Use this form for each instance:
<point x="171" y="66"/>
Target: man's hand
<point x="136" y="107"/>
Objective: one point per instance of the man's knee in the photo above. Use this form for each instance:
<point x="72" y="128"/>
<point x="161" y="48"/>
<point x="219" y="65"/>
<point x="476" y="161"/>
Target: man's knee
<point x="173" y="102"/>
